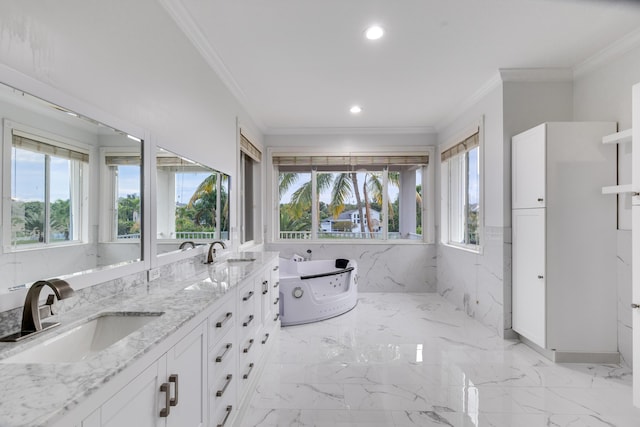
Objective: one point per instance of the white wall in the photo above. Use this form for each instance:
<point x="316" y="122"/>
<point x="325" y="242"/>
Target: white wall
<point x="129" y="61"/>
<point x="471" y="281"/>
<point x="408" y="267"/>
<point x="604" y="93"/>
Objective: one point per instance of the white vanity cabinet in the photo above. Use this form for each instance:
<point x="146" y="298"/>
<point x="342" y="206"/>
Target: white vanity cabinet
<point x="201" y="375"/>
<point x="170" y="392"/>
<point x="564" y="242"/>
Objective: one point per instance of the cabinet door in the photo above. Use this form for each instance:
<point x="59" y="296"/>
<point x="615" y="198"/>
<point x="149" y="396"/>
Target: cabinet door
<point x="529" y="293"/>
<point x="186" y="372"/>
<point x="139" y="402"/>
<point x="528" y="153"/>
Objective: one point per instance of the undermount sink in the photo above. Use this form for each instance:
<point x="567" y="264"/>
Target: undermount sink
<point x="86" y="339"/>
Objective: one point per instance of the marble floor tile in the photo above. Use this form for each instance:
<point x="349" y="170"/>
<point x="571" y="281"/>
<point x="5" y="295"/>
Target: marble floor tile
<point x="415" y="360"/>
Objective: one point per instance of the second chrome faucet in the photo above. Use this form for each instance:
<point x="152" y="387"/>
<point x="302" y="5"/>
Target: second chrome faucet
<point x="211" y="255"/>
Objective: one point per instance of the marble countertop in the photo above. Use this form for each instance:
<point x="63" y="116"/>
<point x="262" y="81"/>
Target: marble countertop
<point x="33" y="394"/>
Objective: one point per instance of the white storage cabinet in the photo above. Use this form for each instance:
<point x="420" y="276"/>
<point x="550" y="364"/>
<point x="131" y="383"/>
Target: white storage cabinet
<point x="564" y="241"/>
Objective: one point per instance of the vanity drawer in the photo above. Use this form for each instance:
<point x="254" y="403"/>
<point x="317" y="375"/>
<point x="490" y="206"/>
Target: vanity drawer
<point x="222" y="358"/>
<point x="223" y="407"/>
<point x="222" y="321"/>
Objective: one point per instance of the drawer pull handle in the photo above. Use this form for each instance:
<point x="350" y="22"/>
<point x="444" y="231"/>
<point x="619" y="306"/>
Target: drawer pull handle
<point x="245" y="324"/>
<point x="275" y="319"/>
<point x="277" y="300"/>
<point x="247" y="348"/>
<point x="226" y="417"/>
<point x="276" y="284"/>
<point x="173" y="378"/>
<point x="245" y="376"/>
<point x="540" y="276"/>
<point x="265" y="287"/>
<point x="266" y="337"/>
<point x="223" y="321"/>
<point x="276" y="268"/>
<point x="219" y="393"/>
<point x="226" y="350"/>
<point x="167" y="400"/>
<point x="247" y="296"/>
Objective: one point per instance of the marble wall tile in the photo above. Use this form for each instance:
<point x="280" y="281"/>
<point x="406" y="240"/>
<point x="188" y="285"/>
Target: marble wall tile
<point x="475" y="282"/>
<point x="134" y="284"/>
<point x="381" y="268"/>
<point x="623" y="264"/>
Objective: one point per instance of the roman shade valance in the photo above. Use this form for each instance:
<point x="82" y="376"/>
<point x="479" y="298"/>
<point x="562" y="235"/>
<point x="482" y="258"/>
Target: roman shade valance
<point x="249" y="149"/>
<point x="43" y="145"/>
<point x="348" y="161"/>
<point x="461" y="147"/>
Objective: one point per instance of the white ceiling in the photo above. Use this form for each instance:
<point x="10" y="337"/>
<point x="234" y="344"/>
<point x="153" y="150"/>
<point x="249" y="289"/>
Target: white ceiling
<point x="299" y="65"/>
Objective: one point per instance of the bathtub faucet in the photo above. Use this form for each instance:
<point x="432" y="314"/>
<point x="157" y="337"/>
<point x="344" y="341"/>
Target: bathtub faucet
<point x="308" y="257"/>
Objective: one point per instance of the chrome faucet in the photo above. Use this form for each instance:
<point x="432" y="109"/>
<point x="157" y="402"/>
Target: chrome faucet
<point x="212" y="251"/>
<point x="184" y="245"/>
<point x="33" y="313"/>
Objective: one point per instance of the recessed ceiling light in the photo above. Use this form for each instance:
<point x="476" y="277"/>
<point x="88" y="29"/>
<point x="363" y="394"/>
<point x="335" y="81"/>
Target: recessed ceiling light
<point x="355" y="109"/>
<point x="374" y="32"/>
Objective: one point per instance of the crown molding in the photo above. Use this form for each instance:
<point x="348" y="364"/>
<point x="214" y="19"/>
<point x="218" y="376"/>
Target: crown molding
<point x="350" y="130"/>
<point x="608" y="54"/>
<point x="485" y="89"/>
<point x="536" y="74"/>
<point x="184" y="20"/>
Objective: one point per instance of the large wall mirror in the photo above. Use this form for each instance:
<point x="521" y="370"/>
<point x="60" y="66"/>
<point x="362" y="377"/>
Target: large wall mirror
<point x="192" y="203"/>
<point x="71" y="192"/>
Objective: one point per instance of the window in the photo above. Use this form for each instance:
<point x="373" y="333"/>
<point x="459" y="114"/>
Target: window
<point x="250" y="158"/>
<point x="48" y="181"/>
<point x="359" y="197"/>
<point x="123" y="199"/>
<point x="460" y="182"/>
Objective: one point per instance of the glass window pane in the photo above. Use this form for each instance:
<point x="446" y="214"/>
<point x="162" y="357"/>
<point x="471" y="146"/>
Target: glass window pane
<point x="405" y="209"/>
<point x="60" y="213"/>
<point x="353" y="205"/>
<point x="27" y="197"/>
<point x="473" y="196"/>
<point x="457" y="199"/>
<point x="195" y="201"/>
<point x="128" y="191"/>
<point x="224" y="207"/>
<point x="295" y="205"/>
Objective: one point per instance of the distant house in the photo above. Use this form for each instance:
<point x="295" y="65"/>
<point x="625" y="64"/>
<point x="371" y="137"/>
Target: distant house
<point x="352" y="217"/>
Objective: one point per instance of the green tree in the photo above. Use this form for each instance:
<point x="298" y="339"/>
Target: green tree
<point x="128" y="214"/>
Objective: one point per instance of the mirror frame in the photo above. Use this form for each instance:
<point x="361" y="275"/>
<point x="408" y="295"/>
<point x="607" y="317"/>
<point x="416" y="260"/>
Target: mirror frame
<point x="80" y="280"/>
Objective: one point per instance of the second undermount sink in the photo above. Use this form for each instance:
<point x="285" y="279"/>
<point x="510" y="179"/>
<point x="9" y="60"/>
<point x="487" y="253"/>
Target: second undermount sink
<point x="86" y="339"/>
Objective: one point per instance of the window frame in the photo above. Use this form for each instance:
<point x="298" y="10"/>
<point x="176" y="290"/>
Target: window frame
<point x="446" y="187"/>
<point x="427" y="182"/>
<point x="80" y="187"/>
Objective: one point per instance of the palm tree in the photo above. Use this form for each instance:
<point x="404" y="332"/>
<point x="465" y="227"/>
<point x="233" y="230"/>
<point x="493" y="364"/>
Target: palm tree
<point x="204" y="200"/>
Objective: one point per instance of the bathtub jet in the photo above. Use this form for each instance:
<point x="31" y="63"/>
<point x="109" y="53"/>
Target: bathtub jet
<point x="311" y="291"/>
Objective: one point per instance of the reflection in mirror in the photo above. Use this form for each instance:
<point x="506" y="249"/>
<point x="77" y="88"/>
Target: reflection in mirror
<point x="70" y="194"/>
<point x="193" y="202"/>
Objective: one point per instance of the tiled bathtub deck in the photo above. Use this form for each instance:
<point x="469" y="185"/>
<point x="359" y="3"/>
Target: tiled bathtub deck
<point x="414" y="360"/>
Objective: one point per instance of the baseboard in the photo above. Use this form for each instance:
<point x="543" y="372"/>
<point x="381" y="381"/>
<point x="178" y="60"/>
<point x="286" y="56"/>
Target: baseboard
<point x="579" y="357"/>
<point x="573" y="356"/>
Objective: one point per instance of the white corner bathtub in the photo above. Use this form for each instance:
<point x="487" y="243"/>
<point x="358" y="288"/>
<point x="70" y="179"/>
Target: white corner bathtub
<point x="316" y="290"/>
